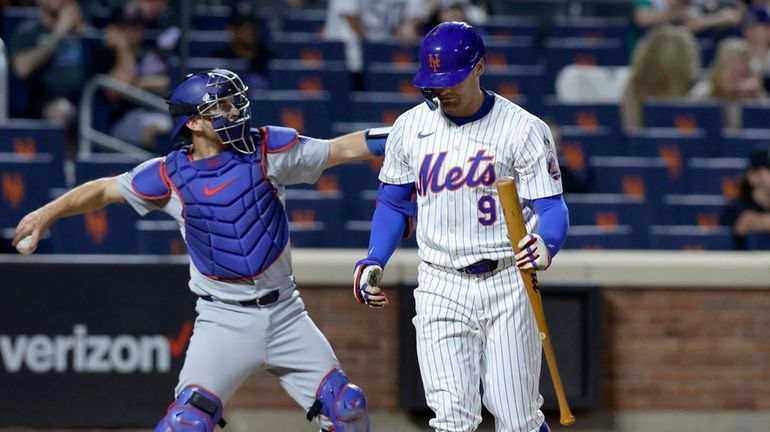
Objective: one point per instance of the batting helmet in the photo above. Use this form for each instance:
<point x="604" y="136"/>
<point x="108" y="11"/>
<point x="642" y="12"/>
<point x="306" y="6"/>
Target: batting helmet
<point x="211" y="94"/>
<point x="448" y="53"/>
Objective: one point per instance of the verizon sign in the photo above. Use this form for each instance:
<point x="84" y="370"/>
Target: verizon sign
<point x="74" y="338"/>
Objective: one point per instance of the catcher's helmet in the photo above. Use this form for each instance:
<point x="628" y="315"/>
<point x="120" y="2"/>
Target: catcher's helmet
<point x="206" y="94"/>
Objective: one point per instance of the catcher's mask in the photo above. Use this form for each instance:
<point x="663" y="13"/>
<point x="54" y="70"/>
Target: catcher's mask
<point x="212" y="94"/>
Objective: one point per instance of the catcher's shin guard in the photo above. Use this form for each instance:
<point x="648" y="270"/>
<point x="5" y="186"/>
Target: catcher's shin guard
<point x="340" y="405"/>
<point x="194" y="410"/>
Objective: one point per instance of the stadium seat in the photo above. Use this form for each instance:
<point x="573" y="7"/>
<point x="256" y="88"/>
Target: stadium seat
<point x="205" y="43"/>
<point x="304" y="21"/>
<point x="159" y="237"/>
<point x="333" y="78"/>
<point x="316" y="218"/>
<point x="578" y="146"/>
<point x="600" y="237"/>
<point x="100" y="165"/>
<point x="716" y="176"/>
<point x="685" y="115"/>
<point x="29" y="137"/>
<point x="740" y="143"/>
<point x="756" y="116"/>
<point x="25" y="184"/>
<point x="308" y="47"/>
<point x="390" y="53"/>
<point x="357" y="235"/>
<point x="610" y="211"/>
<point x="13" y="16"/>
<point x="521" y="84"/>
<point x="690" y="238"/>
<point x="393" y="78"/>
<point x="111" y="230"/>
<point x="308" y="114"/>
<point x="587" y="117"/>
<point x="507" y="26"/>
<point x="670" y="145"/>
<point x="589" y="27"/>
<point x="700" y="210"/>
<point x="373" y="107"/>
<point x="560" y="52"/>
<point x="635" y="176"/>
<point x="515" y="50"/>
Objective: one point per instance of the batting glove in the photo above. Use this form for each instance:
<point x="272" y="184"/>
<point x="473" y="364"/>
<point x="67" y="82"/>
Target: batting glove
<point x="366" y="283"/>
<point x="533" y="253"/>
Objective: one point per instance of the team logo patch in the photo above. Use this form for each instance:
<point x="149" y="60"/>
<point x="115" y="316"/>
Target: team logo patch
<point x="553" y="166"/>
<point x="434" y="61"/>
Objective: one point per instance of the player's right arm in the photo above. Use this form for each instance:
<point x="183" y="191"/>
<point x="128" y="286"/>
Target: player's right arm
<point x="391" y="221"/>
<point x="87" y="197"/>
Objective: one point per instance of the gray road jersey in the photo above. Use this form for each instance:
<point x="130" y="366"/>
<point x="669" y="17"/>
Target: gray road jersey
<point x="303" y="163"/>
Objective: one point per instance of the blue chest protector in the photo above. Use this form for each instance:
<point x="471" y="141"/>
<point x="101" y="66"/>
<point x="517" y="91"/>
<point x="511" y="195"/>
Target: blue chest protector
<point x="235" y="224"/>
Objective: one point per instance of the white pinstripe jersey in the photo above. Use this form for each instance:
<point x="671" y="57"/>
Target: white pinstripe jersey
<point x="454" y="168"/>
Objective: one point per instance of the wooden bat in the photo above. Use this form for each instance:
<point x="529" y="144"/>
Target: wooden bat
<point x="514" y="221"/>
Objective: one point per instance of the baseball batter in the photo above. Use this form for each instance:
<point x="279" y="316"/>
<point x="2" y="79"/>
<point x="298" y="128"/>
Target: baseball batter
<point x="473" y="320"/>
<point x="225" y="188"/>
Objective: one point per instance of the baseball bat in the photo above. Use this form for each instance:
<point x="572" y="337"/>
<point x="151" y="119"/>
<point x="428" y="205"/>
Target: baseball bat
<point x="514" y="221"/>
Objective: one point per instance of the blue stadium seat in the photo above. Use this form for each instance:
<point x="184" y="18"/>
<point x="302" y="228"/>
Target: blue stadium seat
<point x="758" y="242"/>
<point x="390" y="53"/>
<point x="685" y="115"/>
<point x="610" y="211"/>
<point x="357" y="235"/>
<point x="756" y="115"/>
<point x="308" y="114"/>
<point x="317" y="218"/>
<point x="359" y="183"/>
<point x="333" y="78"/>
<point x="508" y="26"/>
<point x="588" y="117"/>
<point x="516" y="50"/>
<point x="159" y="237"/>
<point x="304" y="21"/>
<point x="521" y="84"/>
<point x="560" y="52"/>
<point x="204" y="43"/>
<point x="25" y="184"/>
<point x="13" y="16"/>
<point x="635" y="176"/>
<point x="589" y="27"/>
<point x="600" y="237"/>
<point x="691" y="238"/>
<point x="308" y="47"/>
<point x="386" y="77"/>
<point x="700" y="210"/>
<point x="371" y="107"/>
<point x="716" y="176"/>
<point x="102" y="165"/>
<point x="111" y="230"/>
<point x="28" y="137"/>
<point x="670" y="145"/>
<point x="740" y="143"/>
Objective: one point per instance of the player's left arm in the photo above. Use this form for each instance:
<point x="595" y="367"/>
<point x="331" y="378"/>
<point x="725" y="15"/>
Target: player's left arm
<point x="540" y="183"/>
<point x="357" y="146"/>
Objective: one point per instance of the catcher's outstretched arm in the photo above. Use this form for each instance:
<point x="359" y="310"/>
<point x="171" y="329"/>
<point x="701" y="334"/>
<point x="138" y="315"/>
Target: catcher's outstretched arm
<point x="357" y="146"/>
<point x="82" y="199"/>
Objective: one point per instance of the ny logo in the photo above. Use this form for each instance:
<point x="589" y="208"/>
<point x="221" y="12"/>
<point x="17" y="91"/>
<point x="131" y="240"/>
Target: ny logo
<point x="434" y="61"/>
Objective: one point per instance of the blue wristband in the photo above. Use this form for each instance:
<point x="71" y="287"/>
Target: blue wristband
<point x="376" y="138"/>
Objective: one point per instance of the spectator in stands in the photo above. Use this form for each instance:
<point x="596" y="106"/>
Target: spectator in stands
<point x="356" y="21"/>
<point x="128" y="58"/>
<point x="246" y="44"/>
<point x="749" y="215"/>
<point x="730" y="79"/>
<point x="454" y="10"/>
<point x="697" y="15"/>
<point x="48" y="54"/>
<point x="756" y="31"/>
<point x="665" y="65"/>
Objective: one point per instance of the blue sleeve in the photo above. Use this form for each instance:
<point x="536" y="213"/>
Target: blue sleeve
<point x="395" y="207"/>
<point x="554" y="221"/>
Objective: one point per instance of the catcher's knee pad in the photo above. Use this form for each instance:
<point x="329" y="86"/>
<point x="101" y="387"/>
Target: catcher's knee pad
<point x="340" y="405"/>
<point x="194" y="410"/>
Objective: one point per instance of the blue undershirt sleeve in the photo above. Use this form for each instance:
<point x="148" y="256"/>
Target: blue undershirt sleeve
<point x="390" y="220"/>
<point x="554" y="221"/>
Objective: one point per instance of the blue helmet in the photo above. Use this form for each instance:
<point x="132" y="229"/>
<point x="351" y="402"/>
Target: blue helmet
<point x="448" y="54"/>
<point x="203" y="94"/>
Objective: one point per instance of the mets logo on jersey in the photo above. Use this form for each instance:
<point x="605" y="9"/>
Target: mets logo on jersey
<point x="481" y="171"/>
<point x="434" y="61"/>
<point x="553" y="166"/>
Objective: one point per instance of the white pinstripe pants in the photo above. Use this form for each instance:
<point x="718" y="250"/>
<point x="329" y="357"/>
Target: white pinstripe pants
<point x="473" y="329"/>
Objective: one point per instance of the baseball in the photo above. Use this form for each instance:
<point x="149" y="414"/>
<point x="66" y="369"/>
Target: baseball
<point x="24" y="246"/>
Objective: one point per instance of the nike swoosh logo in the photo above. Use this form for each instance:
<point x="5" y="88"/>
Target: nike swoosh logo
<point x="421" y="136"/>
<point x="211" y="192"/>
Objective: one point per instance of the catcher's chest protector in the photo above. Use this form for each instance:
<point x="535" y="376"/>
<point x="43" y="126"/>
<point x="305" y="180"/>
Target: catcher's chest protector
<point x="235" y="225"/>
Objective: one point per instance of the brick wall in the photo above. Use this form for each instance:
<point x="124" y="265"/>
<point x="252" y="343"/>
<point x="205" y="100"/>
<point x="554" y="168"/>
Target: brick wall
<point x="663" y="349"/>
